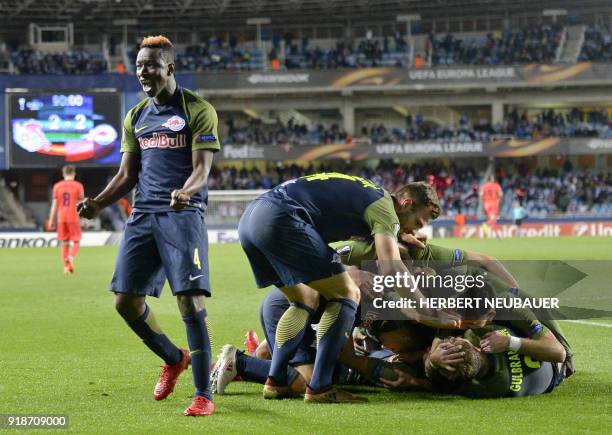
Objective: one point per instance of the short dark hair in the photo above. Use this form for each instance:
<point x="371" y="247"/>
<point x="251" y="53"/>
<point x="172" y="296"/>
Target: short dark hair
<point x="162" y="43"/>
<point x="69" y="170"/>
<point x="422" y="194"/>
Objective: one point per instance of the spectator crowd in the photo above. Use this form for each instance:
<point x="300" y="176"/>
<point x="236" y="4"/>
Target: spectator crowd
<point x="537" y="44"/>
<point x="574" y="122"/>
<point x="28" y="61"/>
<point x="543" y="192"/>
<point x="597" y="45"/>
<point x="255" y="132"/>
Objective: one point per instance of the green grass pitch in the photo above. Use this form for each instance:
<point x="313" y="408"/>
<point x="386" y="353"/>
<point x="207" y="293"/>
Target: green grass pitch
<point x="64" y="350"/>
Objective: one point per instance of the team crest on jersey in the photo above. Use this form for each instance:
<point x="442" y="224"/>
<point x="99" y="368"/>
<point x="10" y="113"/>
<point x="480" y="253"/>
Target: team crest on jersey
<point x="343" y="250"/>
<point x="175" y="123"/>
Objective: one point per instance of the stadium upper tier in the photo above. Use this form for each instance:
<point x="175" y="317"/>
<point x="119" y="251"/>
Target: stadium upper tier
<point x="522" y="125"/>
<point x="544" y="45"/>
<point x="27" y="61"/>
<point x="530" y="45"/>
<point x="597" y="44"/>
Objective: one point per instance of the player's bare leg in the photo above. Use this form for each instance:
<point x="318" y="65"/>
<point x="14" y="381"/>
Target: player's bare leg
<point x="74" y="250"/>
<point x="198" y="336"/>
<point x="68" y="270"/>
<point x="263" y="351"/>
<point x="141" y="320"/>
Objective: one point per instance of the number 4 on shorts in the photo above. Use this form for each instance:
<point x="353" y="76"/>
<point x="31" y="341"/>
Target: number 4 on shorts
<point x="196" y="258"/>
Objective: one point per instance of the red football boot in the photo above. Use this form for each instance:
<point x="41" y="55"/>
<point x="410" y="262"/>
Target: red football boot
<point x="169" y="375"/>
<point x="70" y="263"/>
<point x="251" y="341"/>
<point x="200" y="406"/>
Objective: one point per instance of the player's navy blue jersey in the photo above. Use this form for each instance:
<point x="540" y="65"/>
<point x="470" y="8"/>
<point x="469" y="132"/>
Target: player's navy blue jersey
<point x="164" y="136"/>
<point x="338" y="206"/>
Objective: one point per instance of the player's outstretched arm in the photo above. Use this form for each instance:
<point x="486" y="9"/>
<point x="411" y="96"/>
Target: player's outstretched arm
<point x="493" y="265"/>
<point x="121" y="184"/>
<point x="202" y="161"/>
<point x="390" y="263"/>
<point x="544" y="348"/>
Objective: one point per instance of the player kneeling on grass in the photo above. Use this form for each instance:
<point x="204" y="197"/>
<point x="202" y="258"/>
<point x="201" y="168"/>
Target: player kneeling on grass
<point x="167" y="151"/>
<point x="285" y="235"/>
<point x="458" y="365"/>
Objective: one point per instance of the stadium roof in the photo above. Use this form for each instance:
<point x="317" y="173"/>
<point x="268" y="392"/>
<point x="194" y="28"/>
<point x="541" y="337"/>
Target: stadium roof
<point x="216" y="12"/>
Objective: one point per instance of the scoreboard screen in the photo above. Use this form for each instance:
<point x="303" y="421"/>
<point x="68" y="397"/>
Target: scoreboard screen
<point x="49" y="130"/>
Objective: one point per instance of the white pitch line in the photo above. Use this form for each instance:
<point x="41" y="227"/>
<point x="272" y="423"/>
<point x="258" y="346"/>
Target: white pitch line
<point x="584" y="322"/>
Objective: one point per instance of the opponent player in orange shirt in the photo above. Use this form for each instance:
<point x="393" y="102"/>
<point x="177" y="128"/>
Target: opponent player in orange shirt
<point x="66" y="194"/>
<point x="491" y="195"/>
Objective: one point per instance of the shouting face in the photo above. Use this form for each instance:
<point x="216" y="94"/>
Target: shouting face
<point x="153" y="70"/>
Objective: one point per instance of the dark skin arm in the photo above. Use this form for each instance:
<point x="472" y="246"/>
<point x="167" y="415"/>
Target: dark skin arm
<point x="201" y="161"/>
<point x="121" y="184"/>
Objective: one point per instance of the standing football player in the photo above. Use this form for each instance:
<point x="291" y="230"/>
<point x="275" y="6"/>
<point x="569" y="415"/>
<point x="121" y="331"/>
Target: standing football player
<point x="66" y="194"/>
<point x="491" y="195"/>
<point x="167" y="151"/>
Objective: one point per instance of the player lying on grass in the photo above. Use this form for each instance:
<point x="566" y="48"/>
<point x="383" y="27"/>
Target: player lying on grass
<point x="540" y="343"/>
<point x="543" y="338"/>
<point x="458" y="365"/>
<point x="285" y="234"/>
<point x="397" y="365"/>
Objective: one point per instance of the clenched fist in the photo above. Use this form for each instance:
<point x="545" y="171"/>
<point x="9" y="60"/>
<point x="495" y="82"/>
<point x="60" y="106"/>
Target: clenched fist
<point x="179" y="199"/>
<point x="88" y="208"/>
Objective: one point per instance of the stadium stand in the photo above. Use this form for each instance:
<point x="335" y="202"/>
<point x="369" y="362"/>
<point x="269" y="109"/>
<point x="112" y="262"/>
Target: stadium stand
<point x="367" y="52"/>
<point x="256" y="132"/>
<point x="234" y="54"/>
<point x="524" y="124"/>
<point x="28" y="61"/>
<point x="547" y="192"/>
<point x="12" y="213"/>
<point x="478" y="82"/>
<point x="574" y="122"/>
<point x="418" y="129"/>
<point x="597" y="44"/>
<point x="536" y="44"/>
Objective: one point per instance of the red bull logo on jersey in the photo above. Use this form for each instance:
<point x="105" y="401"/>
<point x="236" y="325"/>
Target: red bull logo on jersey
<point x="175" y="123"/>
<point x="162" y="140"/>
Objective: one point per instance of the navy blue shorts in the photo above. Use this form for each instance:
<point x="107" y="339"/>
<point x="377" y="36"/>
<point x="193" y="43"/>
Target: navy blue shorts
<point x="282" y="248"/>
<point x="159" y="245"/>
<point x="272" y="308"/>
